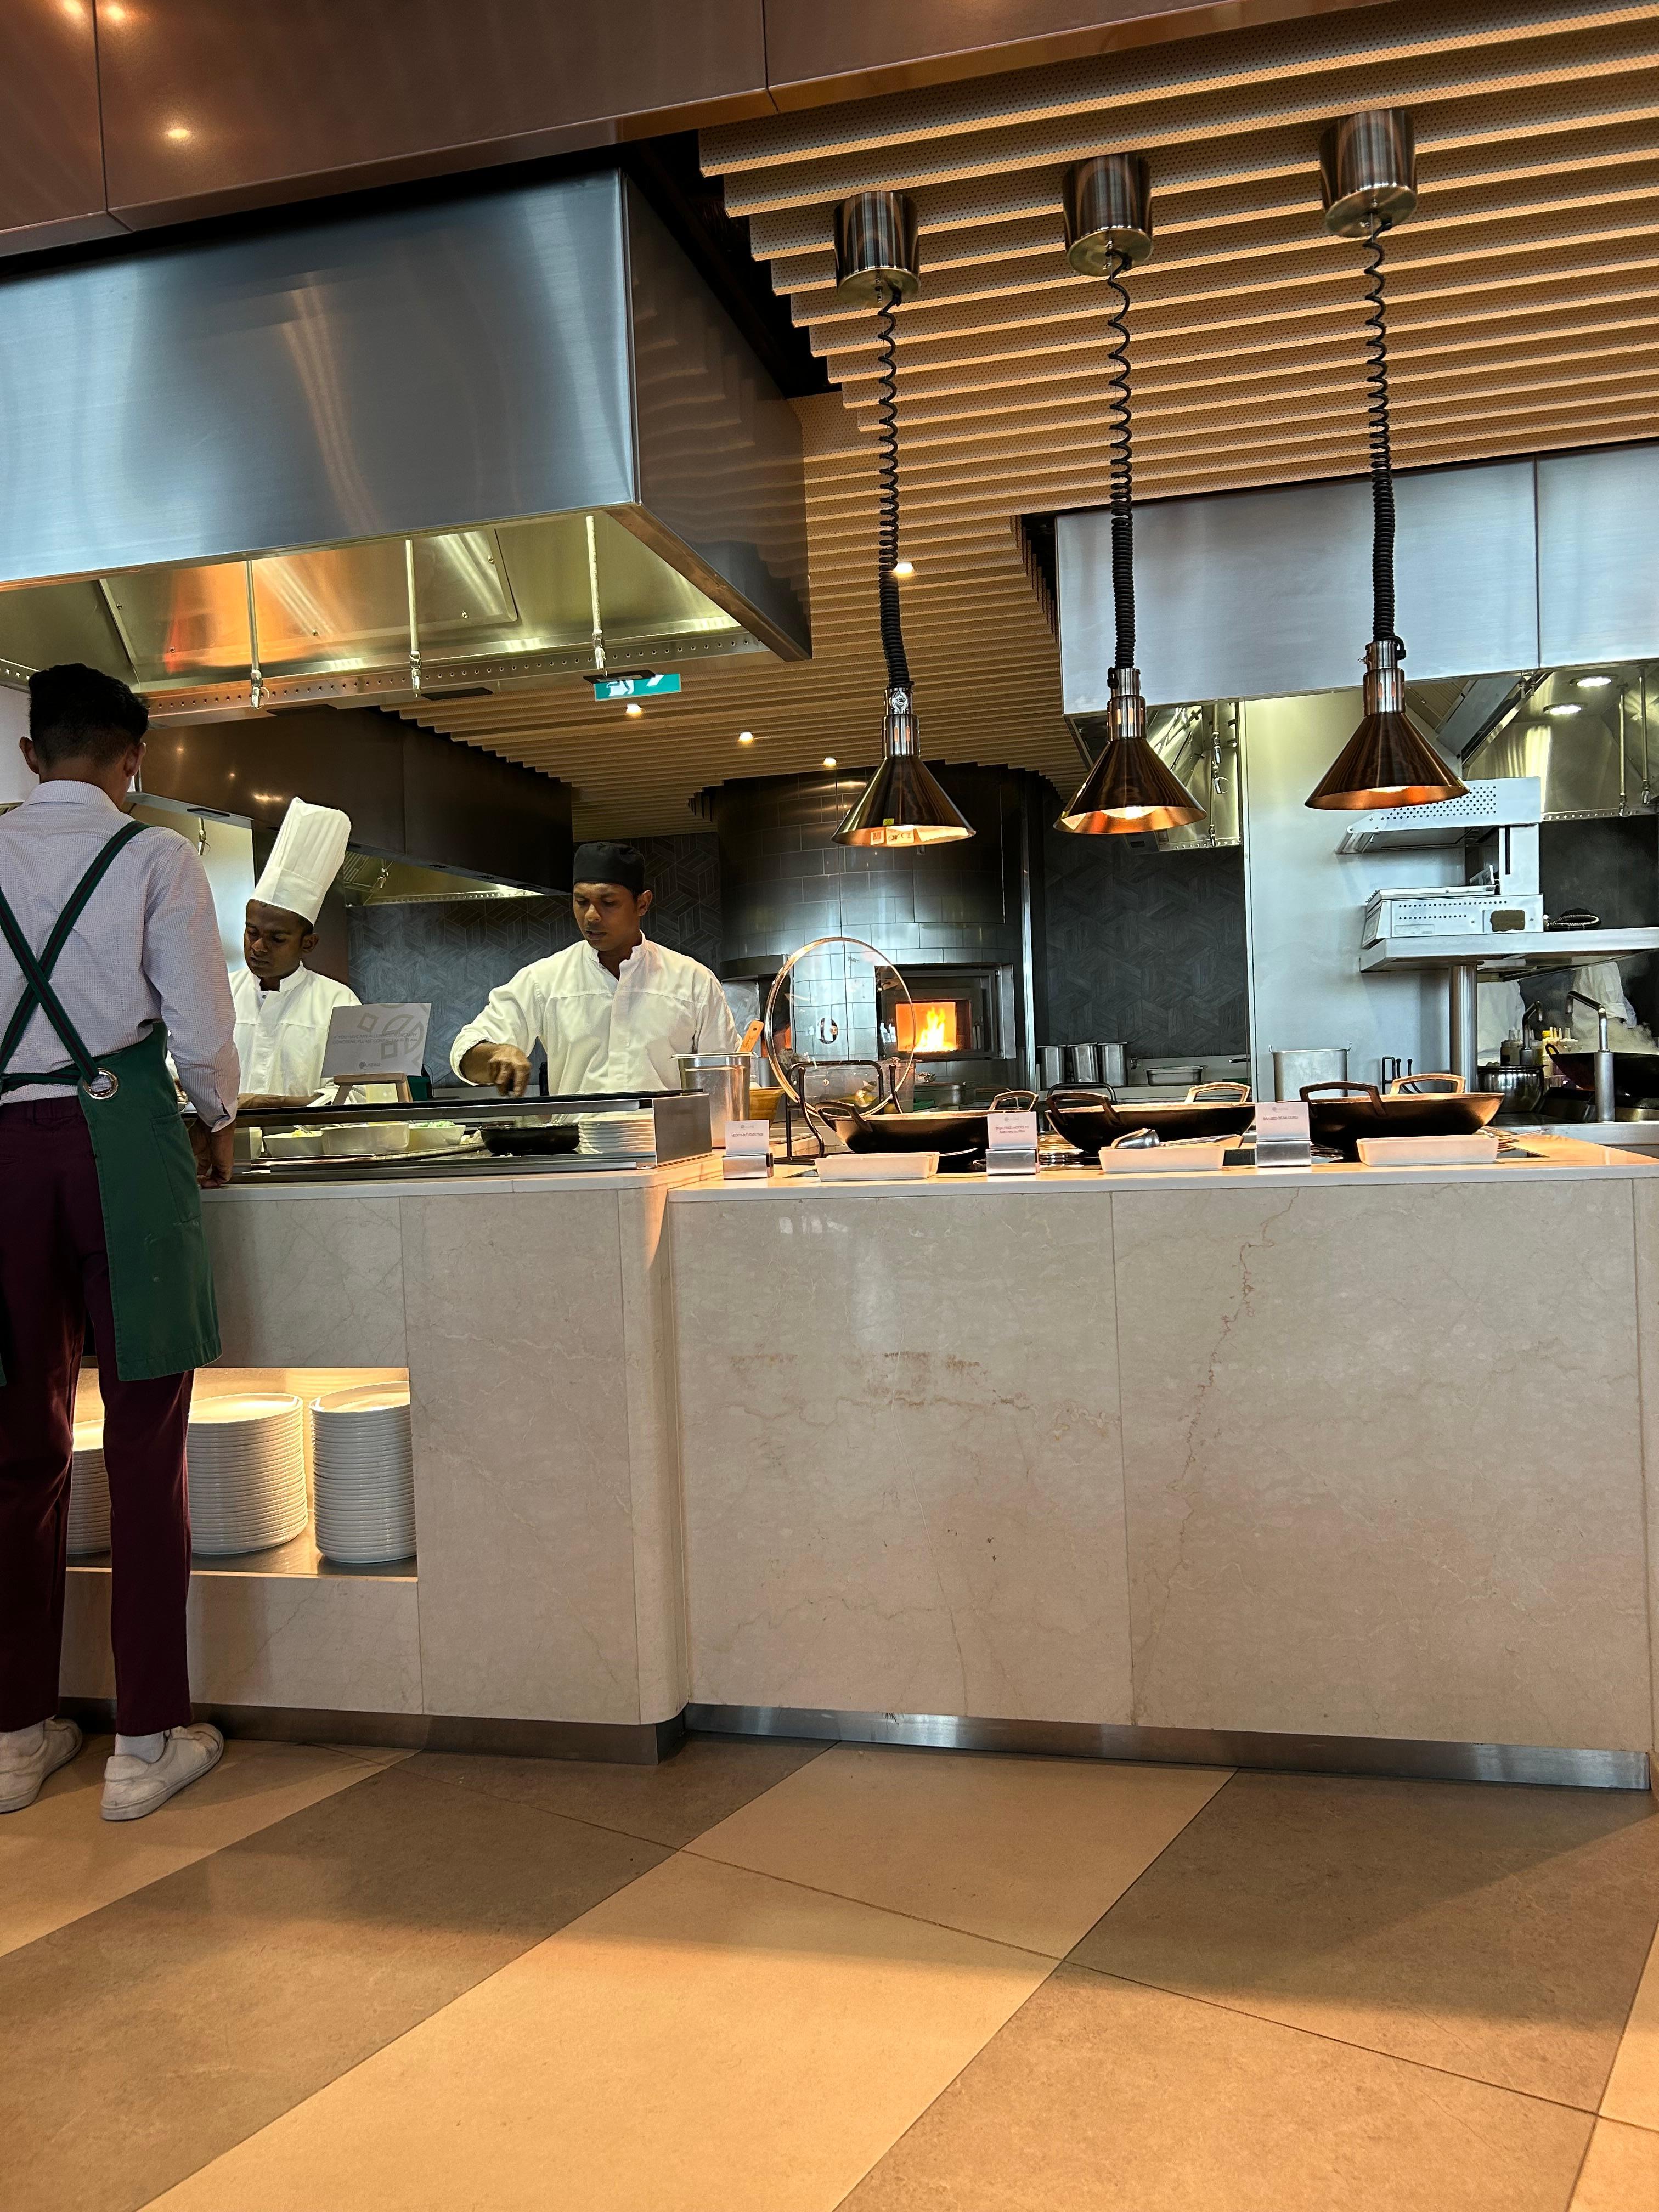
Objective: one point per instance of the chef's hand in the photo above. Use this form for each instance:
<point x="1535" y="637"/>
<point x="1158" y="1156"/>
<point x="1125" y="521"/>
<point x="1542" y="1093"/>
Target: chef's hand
<point x="503" y="1065"/>
<point x="214" y="1150"/>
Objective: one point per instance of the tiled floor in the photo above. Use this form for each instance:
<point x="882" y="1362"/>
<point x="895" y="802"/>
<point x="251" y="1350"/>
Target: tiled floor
<point x="774" y="1978"/>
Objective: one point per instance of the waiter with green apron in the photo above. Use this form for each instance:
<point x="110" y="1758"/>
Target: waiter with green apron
<point x="109" y="955"/>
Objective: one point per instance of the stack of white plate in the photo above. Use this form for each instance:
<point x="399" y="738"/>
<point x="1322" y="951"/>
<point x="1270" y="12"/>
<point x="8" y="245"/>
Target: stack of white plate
<point x="363" y="1465"/>
<point x="89" y="1508"/>
<point x="247" y="1462"/>
<point x="619" y="1136"/>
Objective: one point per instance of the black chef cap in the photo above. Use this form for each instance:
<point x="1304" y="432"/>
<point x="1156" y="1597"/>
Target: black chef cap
<point x="603" y="863"/>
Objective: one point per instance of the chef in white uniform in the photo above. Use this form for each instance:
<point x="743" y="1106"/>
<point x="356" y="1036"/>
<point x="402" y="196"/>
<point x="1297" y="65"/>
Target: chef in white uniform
<point x="282" y="1007"/>
<point x="612" y="1013"/>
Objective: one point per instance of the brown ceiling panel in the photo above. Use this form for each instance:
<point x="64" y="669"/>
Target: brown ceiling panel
<point x="817" y="53"/>
<point x="52" y="174"/>
<point x="212" y="104"/>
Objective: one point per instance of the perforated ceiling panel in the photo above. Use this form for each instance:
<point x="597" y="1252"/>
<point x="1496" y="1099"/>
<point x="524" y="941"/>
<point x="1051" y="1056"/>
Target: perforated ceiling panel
<point x="1523" y="315"/>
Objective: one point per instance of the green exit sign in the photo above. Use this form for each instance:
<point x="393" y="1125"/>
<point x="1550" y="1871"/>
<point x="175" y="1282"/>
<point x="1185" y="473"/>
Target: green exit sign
<point x="636" y="687"/>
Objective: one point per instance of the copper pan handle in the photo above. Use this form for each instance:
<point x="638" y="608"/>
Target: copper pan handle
<point x="1410" y="1087"/>
<point x="1218" y="1093"/>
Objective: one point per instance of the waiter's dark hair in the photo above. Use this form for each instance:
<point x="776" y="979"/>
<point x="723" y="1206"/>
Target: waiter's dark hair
<point x="77" y="712"/>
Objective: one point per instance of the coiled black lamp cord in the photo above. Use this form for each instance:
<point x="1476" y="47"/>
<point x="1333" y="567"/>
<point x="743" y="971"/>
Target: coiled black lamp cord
<point x="1122" y="470"/>
<point x="887" y="545"/>
<point x="1376" y="381"/>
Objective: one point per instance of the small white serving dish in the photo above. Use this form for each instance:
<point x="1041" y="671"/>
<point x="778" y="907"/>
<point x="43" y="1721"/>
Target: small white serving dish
<point x="877" y="1167"/>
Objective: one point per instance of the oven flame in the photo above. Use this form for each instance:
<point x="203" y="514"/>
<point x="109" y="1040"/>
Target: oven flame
<point x="928" y="1028"/>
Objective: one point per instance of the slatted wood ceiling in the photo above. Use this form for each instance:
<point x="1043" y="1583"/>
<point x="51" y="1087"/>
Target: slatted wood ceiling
<point x="1523" y="315"/>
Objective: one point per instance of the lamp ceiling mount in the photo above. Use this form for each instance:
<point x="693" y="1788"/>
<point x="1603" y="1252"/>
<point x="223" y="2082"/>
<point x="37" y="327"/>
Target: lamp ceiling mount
<point x="1368" y="171"/>
<point x="876" y="254"/>
<point x="1107" y="202"/>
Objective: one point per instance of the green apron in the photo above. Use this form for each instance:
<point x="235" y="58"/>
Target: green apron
<point x="160" y="1285"/>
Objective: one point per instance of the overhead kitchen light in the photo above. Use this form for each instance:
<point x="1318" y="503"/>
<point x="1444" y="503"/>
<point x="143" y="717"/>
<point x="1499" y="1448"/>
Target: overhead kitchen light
<point x="903" y="803"/>
<point x="1107" y="204"/>
<point x="1594" y="682"/>
<point x="1566" y="707"/>
<point x="1368" y="178"/>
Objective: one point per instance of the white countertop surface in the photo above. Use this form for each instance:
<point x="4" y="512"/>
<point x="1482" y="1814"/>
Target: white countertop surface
<point x="1565" y="1159"/>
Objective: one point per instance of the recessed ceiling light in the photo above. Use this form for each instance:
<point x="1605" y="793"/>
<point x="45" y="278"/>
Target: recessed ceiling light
<point x="1568" y="708"/>
<point x="1594" y="682"/>
<point x="905" y="569"/>
<point x="746" y="737"/>
<point x="829" y="760"/>
<point x="633" y="707"/>
<point x="177" y="133"/>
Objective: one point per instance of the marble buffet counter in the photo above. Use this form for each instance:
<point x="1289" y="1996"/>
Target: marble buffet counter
<point x="1345" y="1466"/>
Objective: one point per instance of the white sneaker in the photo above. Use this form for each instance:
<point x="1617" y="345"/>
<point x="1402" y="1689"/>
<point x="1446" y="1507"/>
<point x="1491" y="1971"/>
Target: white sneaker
<point x="23" y="1773"/>
<point x="133" y="1787"/>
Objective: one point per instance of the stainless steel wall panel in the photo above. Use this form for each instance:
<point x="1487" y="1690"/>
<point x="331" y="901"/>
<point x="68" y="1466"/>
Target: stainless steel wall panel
<point x="410" y="369"/>
<point x="1264" y="595"/>
<point x="1598" y="556"/>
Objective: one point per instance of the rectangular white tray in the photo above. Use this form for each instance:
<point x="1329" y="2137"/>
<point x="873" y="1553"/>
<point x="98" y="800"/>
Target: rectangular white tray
<point x="1164" y="1159"/>
<point x="1470" y="1150"/>
<point x="877" y="1167"/>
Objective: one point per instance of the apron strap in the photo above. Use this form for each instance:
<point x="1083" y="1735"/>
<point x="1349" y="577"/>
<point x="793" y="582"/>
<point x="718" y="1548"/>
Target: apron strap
<point x="37" y="987"/>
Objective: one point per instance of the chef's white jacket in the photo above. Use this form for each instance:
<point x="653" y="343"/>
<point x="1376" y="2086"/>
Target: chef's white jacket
<point x="604" y="1032"/>
<point x="282" y="1035"/>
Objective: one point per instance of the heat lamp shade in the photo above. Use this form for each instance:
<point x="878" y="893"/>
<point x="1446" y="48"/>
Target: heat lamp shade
<point x="904" y="804"/>
<point x="1386" y="763"/>
<point x="1129" y="788"/>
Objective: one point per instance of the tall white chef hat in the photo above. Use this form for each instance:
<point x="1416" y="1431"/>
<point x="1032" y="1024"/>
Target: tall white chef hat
<point x="305" y="860"/>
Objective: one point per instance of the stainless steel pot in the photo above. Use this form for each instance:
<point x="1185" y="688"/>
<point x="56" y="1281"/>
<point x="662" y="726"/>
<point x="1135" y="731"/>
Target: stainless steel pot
<point x="725" y="1077"/>
<point x="1521" y="1089"/>
<point x="1305" y="1064"/>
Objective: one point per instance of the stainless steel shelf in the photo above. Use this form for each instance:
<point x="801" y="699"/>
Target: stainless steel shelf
<point x="1503" y="955"/>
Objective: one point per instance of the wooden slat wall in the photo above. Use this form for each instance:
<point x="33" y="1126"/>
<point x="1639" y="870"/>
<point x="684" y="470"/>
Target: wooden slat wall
<point x="1523" y="315"/>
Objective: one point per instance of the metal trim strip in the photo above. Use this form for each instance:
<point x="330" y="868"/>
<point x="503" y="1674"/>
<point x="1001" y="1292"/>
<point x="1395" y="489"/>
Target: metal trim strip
<point x="1549" y="1764"/>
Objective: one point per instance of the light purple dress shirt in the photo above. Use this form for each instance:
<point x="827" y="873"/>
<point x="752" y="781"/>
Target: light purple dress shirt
<point x="146" y="950"/>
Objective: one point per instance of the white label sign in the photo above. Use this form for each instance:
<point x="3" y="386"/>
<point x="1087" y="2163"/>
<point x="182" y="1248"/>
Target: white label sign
<point x="1011" y="1133"/>
<point x="750" y="1139"/>
<point x="1281" y="1133"/>
<point x="375" y="1042"/>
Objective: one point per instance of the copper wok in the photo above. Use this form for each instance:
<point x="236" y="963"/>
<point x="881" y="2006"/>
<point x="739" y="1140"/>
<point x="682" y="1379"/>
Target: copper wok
<point x="1341" y="1114"/>
<point x="1089" y="1119"/>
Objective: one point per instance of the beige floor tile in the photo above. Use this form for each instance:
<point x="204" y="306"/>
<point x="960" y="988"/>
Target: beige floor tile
<point x="1028" y="1851"/>
<point x="1103" y="2097"/>
<point x="1632" y="2090"/>
<point x="178" y="2021"/>
<point x="59" y="1860"/>
<point x="707" y="1778"/>
<point x="1497" y="1933"/>
<point x="707" y="2040"/>
<point x="1621" y="2170"/>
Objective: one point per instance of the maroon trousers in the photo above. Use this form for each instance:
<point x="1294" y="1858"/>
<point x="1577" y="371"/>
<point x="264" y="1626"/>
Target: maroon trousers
<point x="53" y="1272"/>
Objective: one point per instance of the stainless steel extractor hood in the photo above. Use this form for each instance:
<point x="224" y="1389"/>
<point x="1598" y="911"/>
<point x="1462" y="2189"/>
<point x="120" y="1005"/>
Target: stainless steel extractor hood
<point x="253" y="445"/>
